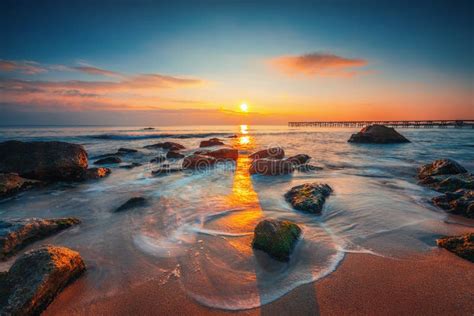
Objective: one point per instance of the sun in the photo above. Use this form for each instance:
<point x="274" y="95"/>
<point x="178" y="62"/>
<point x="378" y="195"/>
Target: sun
<point x="244" y="107"/>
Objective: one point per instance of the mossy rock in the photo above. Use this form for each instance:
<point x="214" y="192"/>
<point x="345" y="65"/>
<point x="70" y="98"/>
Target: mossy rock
<point x="308" y="197"/>
<point x="277" y="238"/>
<point x="462" y="245"/>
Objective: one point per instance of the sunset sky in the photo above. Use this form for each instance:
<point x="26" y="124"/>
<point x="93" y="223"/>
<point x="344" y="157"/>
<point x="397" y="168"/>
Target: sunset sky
<point x="196" y="62"/>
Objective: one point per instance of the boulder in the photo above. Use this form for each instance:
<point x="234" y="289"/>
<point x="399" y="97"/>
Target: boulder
<point x="271" y="167"/>
<point x="131" y="165"/>
<point x="158" y="159"/>
<point x="95" y="173"/>
<point x="460" y="202"/>
<point x="108" y="160"/>
<point x="43" y="160"/>
<point x="12" y="183"/>
<point x="134" y="202"/>
<point x="462" y="245"/>
<point x="198" y="162"/>
<point x="440" y="167"/>
<point x="299" y="159"/>
<point x="166" y="145"/>
<point x="16" y="234"/>
<point x="274" y="153"/>
<point x="211" y="142"/>
<point x="277" y="238"/>
<point x="378" y="134"/>
<point x="308" y="197"/>
<point x="35" y="279"/>
<point x="233" y="136"/>
<point x="174" y="155"/>
<point x="122" y="150"/>
<point x="222" y="154"/>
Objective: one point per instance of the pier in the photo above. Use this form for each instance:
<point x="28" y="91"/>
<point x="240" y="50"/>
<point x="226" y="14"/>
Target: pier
<point x="403" y="124"/>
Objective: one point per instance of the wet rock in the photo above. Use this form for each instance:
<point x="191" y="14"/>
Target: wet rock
<point x="108" y="160"/>
<point x="131" y="165"/>
<point x="271" y="167"/>
<point x="198" y="162"/>
<point x="148" y="129"/>
<point x="158" y="159"/>
<point x="36" y="278"/>
<point x="221" y="154"/>
<point x="165" y="170"/>
<point x="460" y="202"/>
<point x="299" y="159"/>
<point x="308" y="197"/>
<point x="274" y="153"/>
<point x="233" y="136"/>
<point x="440" y="167"/>
<point x="16" y="234"/>
<point x="308" y="168"/>
<point x="453" y="182"/>
<point x="462" y="245"/>
<point x="95" y="173"/>
<point x="166" y="145"/>
<point x="277" y="238"/>
<point x="134" y="202"/>
<point x="43" y="160"/>
<point x="122" y="150"/>
<point x="378" y="134"/>
<point x="12" y="183"/>
<point x="174" y="155"/>
<point x="211" y="142"/>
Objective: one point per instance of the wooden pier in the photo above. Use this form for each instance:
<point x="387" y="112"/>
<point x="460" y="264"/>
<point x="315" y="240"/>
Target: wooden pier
<point x="403" y="124"/>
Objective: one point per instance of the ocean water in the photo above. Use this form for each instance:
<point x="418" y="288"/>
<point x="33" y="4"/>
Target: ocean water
<point x="198" y="227"/>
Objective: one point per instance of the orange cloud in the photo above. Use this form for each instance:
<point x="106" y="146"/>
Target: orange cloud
<point x="25" y="67"/>
<point x="91" y="70"/>
<point x="318" y="64"/>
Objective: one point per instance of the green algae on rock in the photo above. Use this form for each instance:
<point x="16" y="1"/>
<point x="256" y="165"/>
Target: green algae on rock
<point x="308" y="197"/>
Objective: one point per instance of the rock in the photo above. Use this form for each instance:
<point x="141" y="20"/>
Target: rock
<point x="460" y="202"/>
<point x="16" y="234"/>
<point x="462" y="245"/>
<point x="233" y="136"/>
<point x="277" y="238"/>
<point x="165" y="170"/>
<point x="308" y="197"/>
<point x="131" y="165"/>
<point x="126" y="151"/>
<point x="440" y="167"/>
<point x="223" y="154"/>
<point x="95" y="173"/>
<point x="36" y="278"/>
<point x="299" y="159"/>
<point x="134" y="202"/>
<point x="148" y="129"/>
<point x="158" y="159"/>
<point x="308" y="168"/>
<point x="274" y="152"/>
<point x="43" y="160"/>
<point x="453" y="182"/>
<point x="378" y="134"/>
<point x="12" y="183"/>
<point x="211" y="142"/>
<point x="108" y="160"/>
<point x="271" y="167"/>
<point x="174" y="155"/>
<point x="198" y="162"/>
<point x="166" y="145"/>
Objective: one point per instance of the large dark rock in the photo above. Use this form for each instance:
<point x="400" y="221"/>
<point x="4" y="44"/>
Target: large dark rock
<point x="108" y="160"/>
<point x="274" y="153"/>
<point x="36" y="278"/>
<point x="43" y="160"/>
<point x="220" y="154"/>
<point x="462" y="245"/>
<point x="299" y="159"/>
<point x="16" y="234"/>
<point x="308" y="197"/>
<point x="211" y="142"/>
<point x="134" y="202"/>
<point x="198" y="162"/>
<point x="12" y="183"/>
<point x="165" y="145"/>
<point x="378" y="134"/>
<point x="271" y="167"/>
<point x="174" y="155"/>
<point x="460" y="202"/>
<point x="277" y="238"/>
<point x="440" y="167"/>
<point x="95" y="173"/>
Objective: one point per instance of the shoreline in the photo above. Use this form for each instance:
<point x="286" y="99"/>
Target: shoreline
<point x="435" y="282"/>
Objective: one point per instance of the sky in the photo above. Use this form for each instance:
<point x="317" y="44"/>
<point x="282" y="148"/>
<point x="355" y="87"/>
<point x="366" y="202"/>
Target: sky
<point x="195" y="62"/>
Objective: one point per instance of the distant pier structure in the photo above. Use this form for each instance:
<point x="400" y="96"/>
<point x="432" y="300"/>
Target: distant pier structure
<point x="403" y="124"/>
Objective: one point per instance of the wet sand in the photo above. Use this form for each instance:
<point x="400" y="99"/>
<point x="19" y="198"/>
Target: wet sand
<point x="432" y="283"/>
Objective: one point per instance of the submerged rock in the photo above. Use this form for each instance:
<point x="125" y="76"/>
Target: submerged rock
<point x="12" y="183"/>
<point x="308" y="167"/>
<point x="308" y="197"/>
<point x="122" y="150"/>
<point x="440" y="167"/>
<point x="274" y="153"/>
<point x="271" y="167"/>
<point x="131" y="165"/>
<point x="134" y="202"/>
<point x="158" y="159"/>
<point x="198" y="162"/>
<point x="211" y="142"/>
<point x="174" y="155"/>
<point x="43" y="160"/>
<point x="462" y="245"/>
<point x="148" y="128"/>
<point x="460" y="202"/>
<point x="378" y="134"/>
<point x="36" y="278"/>
<point x="299" y="159"/>
<point x="16" y="234"/>
<point x="166" y="145"/>
<point x="95" y="173"/>
<point x="108" y="160"/>
<point x="277" y="238"/>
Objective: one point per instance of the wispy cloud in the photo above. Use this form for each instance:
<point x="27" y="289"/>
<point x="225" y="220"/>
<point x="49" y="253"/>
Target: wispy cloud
<point x="25" y="67"/>
<point x="318" y="64"/>
<point x="91" y="70"/>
